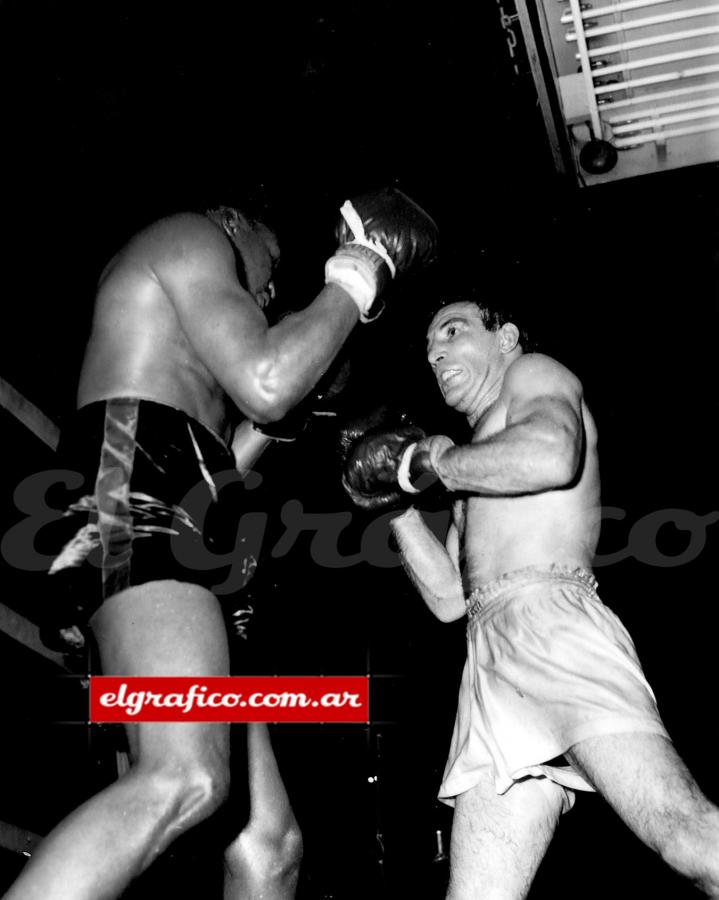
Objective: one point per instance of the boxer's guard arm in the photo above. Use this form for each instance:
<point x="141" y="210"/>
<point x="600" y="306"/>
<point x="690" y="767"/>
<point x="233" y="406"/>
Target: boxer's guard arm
<point x="250" y="441"/>
<point x="432" y="568"/>
<point x="248" y="445"/>
<point x="538" y="450"/>
<point x="265" y="371"/>
<point x="320" y="403"/>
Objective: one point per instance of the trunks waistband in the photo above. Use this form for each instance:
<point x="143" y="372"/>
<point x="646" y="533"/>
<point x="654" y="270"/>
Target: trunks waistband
<point x="486" y="594"/>
<point x="162" y="408"/>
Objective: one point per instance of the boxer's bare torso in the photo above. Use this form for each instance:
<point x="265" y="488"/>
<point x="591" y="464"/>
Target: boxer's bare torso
<point x="526" y="488"/>
<point x="499" y="534"/>
<point x="527" y="494"/>
<point x="139" y="346"/>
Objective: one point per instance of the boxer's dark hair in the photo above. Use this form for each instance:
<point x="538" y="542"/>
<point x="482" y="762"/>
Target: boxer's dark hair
<point x="494" y="312"/>
<point x="252" y="216"/>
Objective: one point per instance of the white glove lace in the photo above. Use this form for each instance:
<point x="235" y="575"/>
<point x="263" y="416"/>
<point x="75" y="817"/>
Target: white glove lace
<point x="354" y="223"/>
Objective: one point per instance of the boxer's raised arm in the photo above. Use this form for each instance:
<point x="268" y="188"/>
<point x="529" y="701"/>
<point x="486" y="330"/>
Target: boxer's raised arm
<point x="264" y="370"/>
<point x="382" y="235"/>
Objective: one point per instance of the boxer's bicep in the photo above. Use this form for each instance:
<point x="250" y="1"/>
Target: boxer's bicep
<point x="545" y="404"/>
<point x="540" y="390"/>
<point x="228" y="333"/>
<point x="223" y="324"/>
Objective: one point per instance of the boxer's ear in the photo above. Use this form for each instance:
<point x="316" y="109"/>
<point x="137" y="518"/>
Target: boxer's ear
<point x="508" y="337"/>
<point x="229" y="219"/>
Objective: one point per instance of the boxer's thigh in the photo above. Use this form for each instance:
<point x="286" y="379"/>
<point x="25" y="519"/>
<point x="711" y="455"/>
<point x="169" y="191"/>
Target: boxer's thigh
<point x="499" y="840"/>
<point x="166" y="628"/>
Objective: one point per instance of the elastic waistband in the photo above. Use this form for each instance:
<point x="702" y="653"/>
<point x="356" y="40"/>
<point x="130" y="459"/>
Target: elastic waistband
<point x="488" y="593"/>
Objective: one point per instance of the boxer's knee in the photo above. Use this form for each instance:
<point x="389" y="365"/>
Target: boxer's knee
<point x="264" y="853"/>
<point x="203" y="788"/>
<point x="183" y="792"/>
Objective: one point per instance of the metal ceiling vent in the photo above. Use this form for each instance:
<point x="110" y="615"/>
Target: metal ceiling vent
<point x="636" y="83"/>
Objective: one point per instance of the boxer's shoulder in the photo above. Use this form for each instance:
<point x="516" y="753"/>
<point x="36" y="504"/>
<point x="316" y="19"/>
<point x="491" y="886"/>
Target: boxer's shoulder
<point x="174" y="241"/>
<point x="179" y="239"/>
<point x="538" y="373"/>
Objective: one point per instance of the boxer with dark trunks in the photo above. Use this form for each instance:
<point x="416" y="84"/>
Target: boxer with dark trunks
<point x="179" y="351"/>
<point x="552" y="699"/>
<point x="159" y="498"/>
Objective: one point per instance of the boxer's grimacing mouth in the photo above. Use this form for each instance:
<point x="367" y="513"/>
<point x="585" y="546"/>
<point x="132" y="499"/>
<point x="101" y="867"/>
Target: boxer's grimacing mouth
<point x="447" y="375"/>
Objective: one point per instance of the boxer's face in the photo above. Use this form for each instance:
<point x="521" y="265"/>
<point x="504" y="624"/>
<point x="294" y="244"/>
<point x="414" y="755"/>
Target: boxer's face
<point x="260" y="253"/>
<point x="462" y="353"/>
<point x="261" y="256"/>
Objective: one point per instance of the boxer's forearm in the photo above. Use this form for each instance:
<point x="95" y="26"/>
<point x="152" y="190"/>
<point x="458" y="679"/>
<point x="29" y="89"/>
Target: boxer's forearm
<point x="522" y="459"/>
<point x="429" y="566"/>
<point x="300" y="349"/>
<point x="247" y="446"/>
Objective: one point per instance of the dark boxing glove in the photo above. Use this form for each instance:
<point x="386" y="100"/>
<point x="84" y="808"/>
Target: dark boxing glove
<point x="378" y="469"/>
<point x="382" y="235"/>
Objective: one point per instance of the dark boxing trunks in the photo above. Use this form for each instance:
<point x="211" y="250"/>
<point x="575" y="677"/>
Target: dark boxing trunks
<point x="152" y="494"/>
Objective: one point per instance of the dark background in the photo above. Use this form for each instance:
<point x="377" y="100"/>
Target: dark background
<point x="116" y="113"/>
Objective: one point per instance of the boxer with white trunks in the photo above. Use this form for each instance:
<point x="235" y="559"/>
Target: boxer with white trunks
<point x="552" y="698"/>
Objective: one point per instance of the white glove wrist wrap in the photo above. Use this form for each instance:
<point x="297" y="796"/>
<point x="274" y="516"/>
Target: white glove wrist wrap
<point x="350" y="271"/>
<point x="356" y="276"/>
<point x="403" y="471"/>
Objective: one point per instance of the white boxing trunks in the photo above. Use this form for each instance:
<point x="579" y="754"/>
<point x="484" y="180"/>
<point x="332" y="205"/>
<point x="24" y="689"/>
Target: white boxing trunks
<point x="548" y="665"/>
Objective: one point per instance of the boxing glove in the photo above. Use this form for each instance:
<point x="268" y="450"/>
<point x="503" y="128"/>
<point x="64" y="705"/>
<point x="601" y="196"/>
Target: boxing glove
<point x="382" y="235"/>
<point x="378" y="471"/>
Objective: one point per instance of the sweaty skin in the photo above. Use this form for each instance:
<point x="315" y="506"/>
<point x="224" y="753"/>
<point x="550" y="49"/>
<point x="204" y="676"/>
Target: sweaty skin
<point x="173" y="324"/>
<point x="176" y="323"/>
